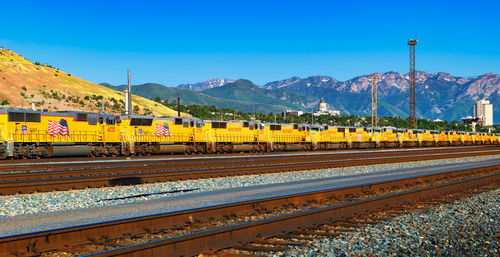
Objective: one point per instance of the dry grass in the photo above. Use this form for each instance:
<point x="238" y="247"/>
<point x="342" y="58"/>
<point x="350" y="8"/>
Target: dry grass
<point x="29" y="85"/>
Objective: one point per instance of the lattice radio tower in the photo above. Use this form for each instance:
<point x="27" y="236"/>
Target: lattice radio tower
<point x="374" y="78"/>
<point x="413" y="120"/>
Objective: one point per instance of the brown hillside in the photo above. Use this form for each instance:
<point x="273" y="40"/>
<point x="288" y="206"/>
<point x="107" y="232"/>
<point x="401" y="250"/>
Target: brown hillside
<point x="24" y="84"/>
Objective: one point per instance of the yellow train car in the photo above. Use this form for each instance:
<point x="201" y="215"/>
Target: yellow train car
<point x="474" y="137"/>
<point x="281" y="137"/>
<point x="231" y="136"/>
<point x="28" y="133"/>
<point x="496" y="139"/>
<point x="358" y="137"/>
<point x="479" y="138"/>
<point x="333" y="138"/>
<point x="493" y="138"/>
<point x="377" y="137"/>
<point x="428" y="138"/>
<point x="151" y="135"/>
<point x="390" y="137"/>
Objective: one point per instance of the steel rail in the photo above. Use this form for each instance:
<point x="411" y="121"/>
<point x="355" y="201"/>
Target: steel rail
<point x="38" y="242"/>
<point x="193" y="244"/>
<point x="20" y="165"/>
<point x="196" y="164"/>
<point x="28" y="185"/>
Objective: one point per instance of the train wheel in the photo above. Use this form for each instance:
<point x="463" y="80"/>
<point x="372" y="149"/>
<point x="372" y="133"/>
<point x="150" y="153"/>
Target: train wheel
<point x="3" y="152"/>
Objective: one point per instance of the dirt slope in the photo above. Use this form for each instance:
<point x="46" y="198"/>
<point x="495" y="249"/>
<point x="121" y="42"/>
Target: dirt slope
<point x="40" y="86"/>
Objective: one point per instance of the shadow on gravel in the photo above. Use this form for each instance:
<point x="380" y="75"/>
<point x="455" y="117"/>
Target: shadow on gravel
<point x="159" y="193"/>
<point x="126" y="181"/>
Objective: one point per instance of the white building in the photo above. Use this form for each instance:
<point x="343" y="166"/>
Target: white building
<point x="323" y="109"/>
<point x="292" y="112"/>
<point x="483" y="110"/>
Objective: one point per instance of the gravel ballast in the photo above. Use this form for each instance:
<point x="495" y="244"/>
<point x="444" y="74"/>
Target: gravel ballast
<point x="26" y="204"/>
<point x="466" y="227"/>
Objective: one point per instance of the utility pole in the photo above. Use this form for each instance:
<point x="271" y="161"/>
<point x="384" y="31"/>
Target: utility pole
<point x="253" y="110"/>
<point x="312" y="116"/>
<point x="374" y="101"/>
<point x="413" y="121"/>
<point x="129" y="94"/>
<point x="178" y="105"/>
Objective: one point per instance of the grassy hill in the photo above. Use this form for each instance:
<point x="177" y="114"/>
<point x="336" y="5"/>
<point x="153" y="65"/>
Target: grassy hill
<point x="25" y="84"/>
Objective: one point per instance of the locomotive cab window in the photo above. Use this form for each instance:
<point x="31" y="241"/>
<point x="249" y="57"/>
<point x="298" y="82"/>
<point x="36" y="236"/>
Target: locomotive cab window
<point x="81" y="117"/>
<point x="246" y="124"/>
<point x="147" y="122"/>
<point x="275" y="127"/>
<point x="178" y="121"/>
<point x="92" y="120"/>
<point x="216" y="124"/>
<point x="16" y="116"/>
<point x="33" y="117"/>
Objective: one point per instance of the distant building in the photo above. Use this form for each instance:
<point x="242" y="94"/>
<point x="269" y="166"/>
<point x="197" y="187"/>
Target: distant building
<point x="483" y="110"/>
<point x="292" y="112"/>
<point x="469" y="120"/>
<point x="323" y="109"/>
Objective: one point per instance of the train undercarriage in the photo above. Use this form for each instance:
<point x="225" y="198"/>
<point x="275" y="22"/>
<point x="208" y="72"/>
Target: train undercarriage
<point x="47" y="150"/>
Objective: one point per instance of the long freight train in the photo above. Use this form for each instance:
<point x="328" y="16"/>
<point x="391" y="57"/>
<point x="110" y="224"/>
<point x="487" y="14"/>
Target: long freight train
<point x="29" y="134"/>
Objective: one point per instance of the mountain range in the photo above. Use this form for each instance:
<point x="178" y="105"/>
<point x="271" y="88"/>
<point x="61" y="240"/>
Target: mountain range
<point x="438" y="95"/>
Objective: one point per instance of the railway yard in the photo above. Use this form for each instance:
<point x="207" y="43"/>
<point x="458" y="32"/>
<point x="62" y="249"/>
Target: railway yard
<point x="403" y="202"/>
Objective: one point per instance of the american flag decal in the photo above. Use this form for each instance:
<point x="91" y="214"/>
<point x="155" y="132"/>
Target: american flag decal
<point x="60" y="127"/>
<point x="162" y="130"/>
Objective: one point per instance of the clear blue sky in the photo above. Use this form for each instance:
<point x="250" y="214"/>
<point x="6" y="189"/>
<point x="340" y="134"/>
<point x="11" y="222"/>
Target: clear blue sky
<point x="174" y="42"/>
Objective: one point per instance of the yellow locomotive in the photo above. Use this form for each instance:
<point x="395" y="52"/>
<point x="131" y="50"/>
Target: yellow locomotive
<point x="29" y="134"/>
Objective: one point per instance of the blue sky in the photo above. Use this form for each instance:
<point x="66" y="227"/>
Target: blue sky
<point x="174" y="42"/>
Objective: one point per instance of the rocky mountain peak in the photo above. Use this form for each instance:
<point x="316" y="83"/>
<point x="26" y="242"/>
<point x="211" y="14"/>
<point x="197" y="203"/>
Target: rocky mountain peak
<point x="211" y="83"/>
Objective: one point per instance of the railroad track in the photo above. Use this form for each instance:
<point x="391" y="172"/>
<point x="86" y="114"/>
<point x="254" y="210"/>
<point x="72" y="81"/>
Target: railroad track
<point x="186" y="232"/>
<point x="185" y="169"/>
<point x="338" y="229"/>
<point x="88" y="161"/>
